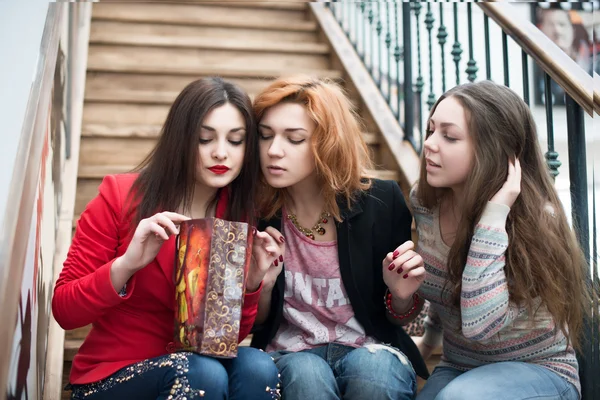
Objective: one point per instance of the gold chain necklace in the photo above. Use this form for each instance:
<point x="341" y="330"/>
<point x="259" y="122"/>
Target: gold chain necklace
<point x="316" y="228"/>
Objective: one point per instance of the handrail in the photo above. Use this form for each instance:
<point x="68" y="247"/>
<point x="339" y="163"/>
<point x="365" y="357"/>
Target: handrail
<point x="576" y="82"/>
<point x="23" y="186"/>
<point x="80" y="15"/>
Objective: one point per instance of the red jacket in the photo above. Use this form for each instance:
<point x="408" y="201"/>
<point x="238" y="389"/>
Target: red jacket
<point x="127" y="329"/>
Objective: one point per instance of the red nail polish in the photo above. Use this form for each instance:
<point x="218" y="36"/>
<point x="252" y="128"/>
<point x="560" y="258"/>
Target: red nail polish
<point x="396" y="254"/>
<point x="281" y="258"/>
<point x="400" y="270"/>
<point x="391" y="267"/>
<point x="405" y="276"/>
<point x="281" y="239"/>
<point x="275" y="262"/>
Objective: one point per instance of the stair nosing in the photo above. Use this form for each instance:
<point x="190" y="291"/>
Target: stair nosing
<point x="318" y="48"/>
<point x="252" y="5"/>
<point x="215" y="71"/>
<point x="293" y="26"/>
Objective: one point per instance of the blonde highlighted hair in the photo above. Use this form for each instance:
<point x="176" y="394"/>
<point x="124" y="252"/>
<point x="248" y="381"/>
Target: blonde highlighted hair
<point x="340" y="152"/>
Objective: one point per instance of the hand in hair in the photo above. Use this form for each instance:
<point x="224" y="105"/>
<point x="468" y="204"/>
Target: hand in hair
<point x="511" y="189"/>
<point x="403" y="273"/>
<point x="268" y="250"/>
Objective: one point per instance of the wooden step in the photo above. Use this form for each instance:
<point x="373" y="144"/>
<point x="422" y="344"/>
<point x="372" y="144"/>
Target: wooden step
<point x="108" y="151"/>
<point x="79" y="333"/>
<point x="149" y="88"/>
<point x="196" y="61"/>
<point x="87" y="189"/>
<point x="98" y="64"/>
<point x="71" y="348"/>
<point x="372" y="139"/>
<point x="279" y="5"/>
<point x="112" y="130"/>
<point x="134" y="34"/>
<point x="207" y="15"/>
<point x="275" y="5"/>
<point x="128" y="114"/>
<point x="384" y="174"/>
<point x="100" y="171"/>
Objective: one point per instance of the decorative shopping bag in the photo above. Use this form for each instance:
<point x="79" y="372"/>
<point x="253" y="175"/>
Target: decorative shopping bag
<point x="212" y="261"/>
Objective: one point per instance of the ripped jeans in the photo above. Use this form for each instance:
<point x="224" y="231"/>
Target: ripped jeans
<point x="334" y="372"/>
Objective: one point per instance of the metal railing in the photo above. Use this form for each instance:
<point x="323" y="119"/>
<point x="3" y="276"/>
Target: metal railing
<point x="416" y="51"/>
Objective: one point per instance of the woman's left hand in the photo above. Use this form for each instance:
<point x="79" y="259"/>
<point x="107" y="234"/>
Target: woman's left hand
<point x="511" y="189"/>
<point x="268" y="249"/>
<point x="403" y="271"/>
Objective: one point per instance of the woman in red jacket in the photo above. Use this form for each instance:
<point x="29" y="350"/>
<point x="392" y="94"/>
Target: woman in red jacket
<point x="118" y="275"/>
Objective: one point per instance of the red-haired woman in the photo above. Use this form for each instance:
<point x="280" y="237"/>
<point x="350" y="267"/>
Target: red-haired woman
<point x="323" y="316"/>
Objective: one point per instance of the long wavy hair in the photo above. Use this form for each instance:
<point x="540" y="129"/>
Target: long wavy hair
<point x="167" y="176"/>
<point x="340" y="152"/>
<point x="543" y="259"/>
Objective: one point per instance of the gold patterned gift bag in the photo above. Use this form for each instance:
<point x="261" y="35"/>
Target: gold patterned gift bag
<point x="212" y="261"/>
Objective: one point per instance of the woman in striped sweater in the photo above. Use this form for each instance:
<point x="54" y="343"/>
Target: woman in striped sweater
<point x="505" y="275"/>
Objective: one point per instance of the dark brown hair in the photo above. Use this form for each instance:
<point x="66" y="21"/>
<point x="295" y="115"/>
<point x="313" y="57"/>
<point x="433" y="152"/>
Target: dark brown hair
<point x="167" y="176"/>
<point x="543" y="258"/>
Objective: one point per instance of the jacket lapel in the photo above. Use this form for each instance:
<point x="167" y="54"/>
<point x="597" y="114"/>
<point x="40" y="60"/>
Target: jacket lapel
<point x="345" y="247"/>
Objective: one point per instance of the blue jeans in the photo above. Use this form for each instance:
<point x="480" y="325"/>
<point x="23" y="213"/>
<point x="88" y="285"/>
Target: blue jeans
<point x="501" y="381"/>
<point x="334" y="371"/>
<point x="250" y="376"/>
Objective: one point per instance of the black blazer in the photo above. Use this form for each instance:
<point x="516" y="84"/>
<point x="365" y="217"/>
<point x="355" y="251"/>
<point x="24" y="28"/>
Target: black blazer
<point x="378" y="222"/>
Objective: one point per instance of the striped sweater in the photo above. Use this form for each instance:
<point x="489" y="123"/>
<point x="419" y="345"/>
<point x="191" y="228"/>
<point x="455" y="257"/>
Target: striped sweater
<point x="488" y="327"/>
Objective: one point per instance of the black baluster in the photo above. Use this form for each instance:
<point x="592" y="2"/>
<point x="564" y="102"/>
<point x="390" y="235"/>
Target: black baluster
<point x="347" y="17"/>
<point x="579" y="212"/>
<point x="525" y="66"/>
<point x="419" y="82"/>
<point x="397" y="55"/>
<point x="379" y="29"/>
<point x="505" y="58"/>
<point x="551" y="155"/>
<point x="429" y="20"/>
<point x="388" y="43"/>
<point x="471" y="64"/>
<point x="578" y="174"/>
<point x="364" y="30"/>
<point x="488" y="63"/>
<point x="408" y="90"/>
<point x="456" y="48"/>
<point x="441" y="36"/>
<point x="372" y="48"/>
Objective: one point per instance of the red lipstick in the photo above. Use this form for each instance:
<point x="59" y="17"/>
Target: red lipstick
<point x="219" y="169"/>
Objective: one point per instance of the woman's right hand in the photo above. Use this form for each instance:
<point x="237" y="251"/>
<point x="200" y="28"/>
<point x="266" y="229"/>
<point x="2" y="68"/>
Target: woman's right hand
<point x="149" y="237"/>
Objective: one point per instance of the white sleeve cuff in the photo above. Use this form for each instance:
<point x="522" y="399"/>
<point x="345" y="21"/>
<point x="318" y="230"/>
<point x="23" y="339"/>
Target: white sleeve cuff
<point x="494" y="214"/>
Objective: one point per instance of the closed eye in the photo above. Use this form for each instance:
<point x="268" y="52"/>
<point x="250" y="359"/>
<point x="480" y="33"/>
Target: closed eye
<point x="450" y="139"/>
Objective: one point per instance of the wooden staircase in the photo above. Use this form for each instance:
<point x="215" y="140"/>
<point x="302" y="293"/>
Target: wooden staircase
<point x="142" y="55"/>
